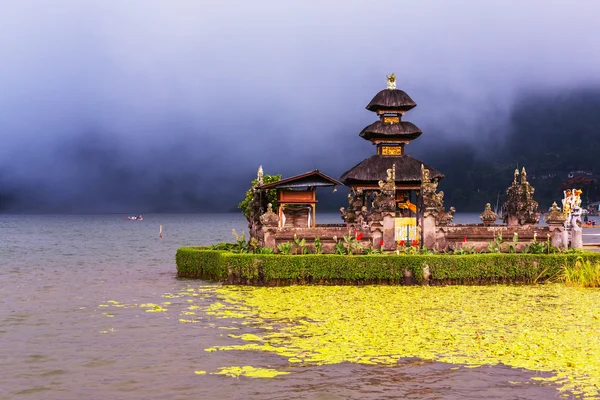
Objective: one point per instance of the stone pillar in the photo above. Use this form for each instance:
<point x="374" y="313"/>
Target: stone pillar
<point x="559" y="237"/>
<point x="269" y="221"/>
<point x="556" y="223"/>
<point x="565" y="239"/>
<point x="576" y="236"/>
<point x="429" y="235"/>
<point x="269" y="236"/>
<point x="389" y="231"/>
<point x="576" y="231"/>
<point x="376" y="235"/>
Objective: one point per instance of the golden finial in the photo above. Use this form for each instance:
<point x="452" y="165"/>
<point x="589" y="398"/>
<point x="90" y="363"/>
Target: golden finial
<point x="391" y="81"/>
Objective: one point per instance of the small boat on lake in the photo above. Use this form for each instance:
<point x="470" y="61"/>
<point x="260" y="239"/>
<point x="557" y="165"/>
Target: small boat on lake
<point x="134" y="218"/>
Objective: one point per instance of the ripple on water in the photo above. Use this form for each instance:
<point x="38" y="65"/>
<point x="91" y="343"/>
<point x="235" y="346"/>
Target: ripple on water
<point x="56" y="270"/>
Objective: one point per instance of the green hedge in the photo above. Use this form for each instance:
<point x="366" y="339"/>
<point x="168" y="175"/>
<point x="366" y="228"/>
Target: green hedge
<point x="275" y="269"/>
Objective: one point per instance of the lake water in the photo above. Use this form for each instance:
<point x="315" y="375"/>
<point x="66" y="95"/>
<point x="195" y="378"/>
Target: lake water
<point x="58" y="340"/>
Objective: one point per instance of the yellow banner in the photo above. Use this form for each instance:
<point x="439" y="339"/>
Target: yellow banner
<point x="406" y="229"/>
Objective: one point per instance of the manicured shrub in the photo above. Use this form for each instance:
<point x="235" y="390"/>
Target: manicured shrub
<point x="277" y="269"/>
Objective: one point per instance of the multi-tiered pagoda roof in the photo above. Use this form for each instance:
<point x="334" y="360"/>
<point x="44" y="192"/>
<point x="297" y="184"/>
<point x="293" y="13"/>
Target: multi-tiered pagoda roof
<point x="390" y="134"/>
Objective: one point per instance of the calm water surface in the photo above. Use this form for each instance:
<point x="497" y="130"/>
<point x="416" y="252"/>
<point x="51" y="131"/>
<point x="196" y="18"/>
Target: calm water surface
<point x="56" y="342"/>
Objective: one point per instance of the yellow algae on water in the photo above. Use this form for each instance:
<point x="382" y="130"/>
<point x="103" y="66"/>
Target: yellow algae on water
<point x="151" y="307"/>
<point x="247" y="337"/>
<point x="550" y="328"/>
<point x="250" y="372"/>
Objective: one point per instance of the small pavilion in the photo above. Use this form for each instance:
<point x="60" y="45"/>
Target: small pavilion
<point x="297" y="198"/>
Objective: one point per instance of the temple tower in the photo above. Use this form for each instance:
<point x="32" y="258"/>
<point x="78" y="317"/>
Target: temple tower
<point x="390" y="134"/>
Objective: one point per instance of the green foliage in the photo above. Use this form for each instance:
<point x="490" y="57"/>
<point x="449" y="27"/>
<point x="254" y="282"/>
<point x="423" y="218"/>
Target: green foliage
<point x="339" y="248"/>
<point x="299" y="245"/>
<point x="222" y="246"/>
<point x="265" y="250"/>
<point x="240" y="245"/>
<point x="202" y="263"/>
<point x="582" y="273"/>
<point x="351" y="245"/>
<point x="284" y="248"/>
<point x="318" y="245"/>
<point x="495" y="246"/>
<point x="464" y="250"/>
<point x="426" y="251"/>
<point x="536" y="247"/>
<point x="410" y="248"/>
<point x="271" y="194"/>
<point x="253" y="246"/>
<point x="372" y="250"/>
<point x="407" y="250"/>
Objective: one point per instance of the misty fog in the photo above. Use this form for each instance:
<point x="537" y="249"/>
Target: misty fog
<point x="156" y="106"/>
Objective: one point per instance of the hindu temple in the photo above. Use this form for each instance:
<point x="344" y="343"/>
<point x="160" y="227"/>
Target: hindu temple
<point x="393" y="198"/>
<point x="390" y="175"/>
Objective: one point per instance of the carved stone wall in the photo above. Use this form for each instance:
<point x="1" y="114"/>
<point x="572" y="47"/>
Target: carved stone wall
<point x="479" y="236"/>
<point x="328" y="235"/>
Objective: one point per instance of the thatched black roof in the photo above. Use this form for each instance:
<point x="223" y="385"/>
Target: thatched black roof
<point x="400" y="130"/>
<point x="309" y="179"/>
<point x="391" y="99"/>
<point x="374" y="169"/>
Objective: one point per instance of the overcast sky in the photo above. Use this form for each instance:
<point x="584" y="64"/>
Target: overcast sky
<point x="171" y="105"/>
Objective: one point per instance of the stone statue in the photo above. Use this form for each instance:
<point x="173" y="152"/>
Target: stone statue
<point x="385" y="199"/>
<point x="344" y="214"/>
<point x="390" y="181"/>
<point x="488" y="216"/>
<point x="362" y="218"/>
<point x="259" y="175"/>
<point x="355" y="204"/>
<point x="391" y="81"/>
<point x="572" y="205"/>
<point x="520" y="208"/>
<point x="555" y="217"/>
<point x="428" y="189"/>
<point x="433" y="202"/>
<point x="425" y="174"/>
<point x="523" y="176"/>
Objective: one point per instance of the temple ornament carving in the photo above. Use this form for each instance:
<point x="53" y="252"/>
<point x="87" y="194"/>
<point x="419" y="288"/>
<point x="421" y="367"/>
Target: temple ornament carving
<point x="555" y="217"/>
<point x="391" y="150"/>
<point x="384" y="200"/>
<point x="391" y="81"/>
<point x="269" y="218"/>
<point x="488" y="216"/>
<point x="520" y="208"/>
<point x="433" y="201"/>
